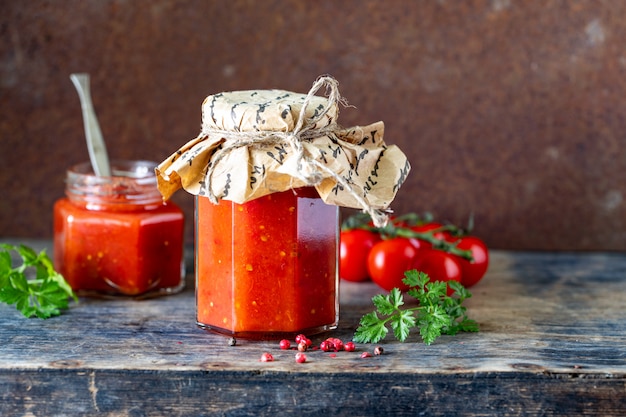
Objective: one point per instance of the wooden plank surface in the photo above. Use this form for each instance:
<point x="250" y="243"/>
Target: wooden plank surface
<point x="552" y="341"/>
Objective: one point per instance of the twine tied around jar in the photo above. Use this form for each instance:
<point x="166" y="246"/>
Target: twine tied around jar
<point x="310" y="170"/>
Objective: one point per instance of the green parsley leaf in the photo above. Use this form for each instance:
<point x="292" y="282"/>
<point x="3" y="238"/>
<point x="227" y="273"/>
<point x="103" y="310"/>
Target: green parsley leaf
<point x="383" y="304"/>
<point x="436" y="314"/>
<point x="371" y="329"/>
<point x="34" y="287"/>
<point x="401" y="323"/>
<point x="418" y="279"/>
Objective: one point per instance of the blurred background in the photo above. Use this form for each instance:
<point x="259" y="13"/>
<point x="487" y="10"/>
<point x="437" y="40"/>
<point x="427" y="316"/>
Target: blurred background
<point x="513" y="112"/>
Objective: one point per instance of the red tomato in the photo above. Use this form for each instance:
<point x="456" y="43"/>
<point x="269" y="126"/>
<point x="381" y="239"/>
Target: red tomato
<point x="473" y="271"/>
<point x="389" y="260"/>
<point x="419" y="243"/>
<point x="354" y="248"/>
<point x="439" y="265"/>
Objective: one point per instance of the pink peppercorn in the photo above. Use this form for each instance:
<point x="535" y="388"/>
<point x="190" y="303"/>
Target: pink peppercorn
<point x="337" y="343"/>
<point x="285" y="344"/>
<point x="349" y="347"/>
<point x="300" y="357"/>
<point x="326" y="346"/>
<point x="267" y="357"/>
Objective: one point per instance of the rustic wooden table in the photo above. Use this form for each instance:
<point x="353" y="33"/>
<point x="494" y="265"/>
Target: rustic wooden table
<point x="552" y="341"/>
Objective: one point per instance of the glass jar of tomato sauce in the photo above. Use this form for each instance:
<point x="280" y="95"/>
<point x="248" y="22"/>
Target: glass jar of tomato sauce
<point x="269" y="171"/>
<point x="114" y="235"/>
<point x="267" y="268"/>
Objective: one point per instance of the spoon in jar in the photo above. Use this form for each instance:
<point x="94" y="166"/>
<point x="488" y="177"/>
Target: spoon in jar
<point x="95" y="143"/>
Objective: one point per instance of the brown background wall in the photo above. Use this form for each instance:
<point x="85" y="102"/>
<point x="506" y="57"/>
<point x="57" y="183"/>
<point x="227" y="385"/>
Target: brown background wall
<point x="510" y="110"/>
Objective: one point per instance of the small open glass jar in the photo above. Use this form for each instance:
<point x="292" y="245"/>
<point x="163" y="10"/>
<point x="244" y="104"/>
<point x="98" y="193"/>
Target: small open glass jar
<point x="114" y="235"/>
<point x="267" y="268"/>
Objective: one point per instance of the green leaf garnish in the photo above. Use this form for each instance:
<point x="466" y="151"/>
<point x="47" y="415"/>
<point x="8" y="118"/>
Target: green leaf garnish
<point x="34" y="287"/>
<point x="436" y="314"/>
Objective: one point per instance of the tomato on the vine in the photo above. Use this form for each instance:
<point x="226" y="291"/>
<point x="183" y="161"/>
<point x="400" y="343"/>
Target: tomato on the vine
<point x="385" y="254"/>
<point x="438" y="265"/>
<point x="419" y="243"/>
<point x="473" y="271"/>
<point x="389" y="260"/>
<point x="354" y="248"/>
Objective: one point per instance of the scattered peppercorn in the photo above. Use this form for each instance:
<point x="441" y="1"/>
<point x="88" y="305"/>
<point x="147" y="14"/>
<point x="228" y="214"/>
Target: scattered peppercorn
<point x="232" y="341"/>
<point x="326" y="346"/>
<point x="378" y="350"/>
<point x="337" y="343"/>
<point x="304" y="344"/>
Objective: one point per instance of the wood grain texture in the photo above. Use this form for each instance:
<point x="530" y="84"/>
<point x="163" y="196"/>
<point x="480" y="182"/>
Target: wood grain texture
<point x="552" y="342"/>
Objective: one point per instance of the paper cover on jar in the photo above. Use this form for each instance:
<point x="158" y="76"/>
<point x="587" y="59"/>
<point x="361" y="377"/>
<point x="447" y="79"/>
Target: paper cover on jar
<point x="259" y="142"/>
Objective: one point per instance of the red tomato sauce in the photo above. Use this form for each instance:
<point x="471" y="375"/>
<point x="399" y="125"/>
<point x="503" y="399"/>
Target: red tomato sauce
<point x="267" y="267"/>
<point x="120" y="252"/>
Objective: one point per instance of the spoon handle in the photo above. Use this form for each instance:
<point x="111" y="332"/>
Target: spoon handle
<point x="95" y="143"/>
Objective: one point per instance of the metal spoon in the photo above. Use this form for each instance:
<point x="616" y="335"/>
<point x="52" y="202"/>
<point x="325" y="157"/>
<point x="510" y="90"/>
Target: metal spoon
<point x="95" y="143"/>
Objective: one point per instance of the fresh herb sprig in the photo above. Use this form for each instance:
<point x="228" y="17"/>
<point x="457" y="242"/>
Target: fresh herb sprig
<point x="34" y="287"/>
<point x="436" y="314"/>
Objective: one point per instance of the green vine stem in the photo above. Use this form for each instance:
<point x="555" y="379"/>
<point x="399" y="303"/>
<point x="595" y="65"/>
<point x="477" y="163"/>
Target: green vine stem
<point x="395" y="228"/>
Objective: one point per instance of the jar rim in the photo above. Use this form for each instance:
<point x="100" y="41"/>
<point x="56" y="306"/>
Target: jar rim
<point x="134" y="180"/>
<point x="119" y="168"/>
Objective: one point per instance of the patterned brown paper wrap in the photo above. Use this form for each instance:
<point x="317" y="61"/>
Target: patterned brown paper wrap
<point x="259" y="142"/>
